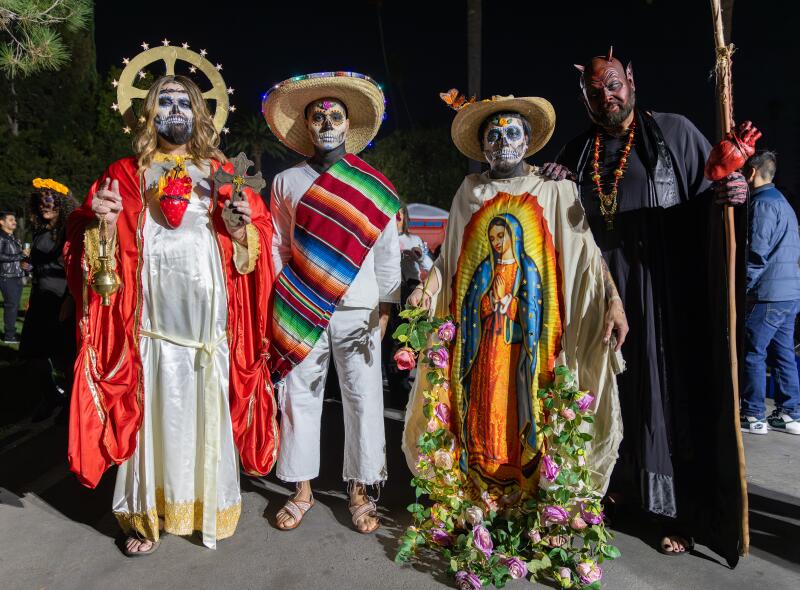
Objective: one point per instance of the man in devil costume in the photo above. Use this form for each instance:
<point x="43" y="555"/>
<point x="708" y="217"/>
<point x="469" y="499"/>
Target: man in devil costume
<point x="641" y="180"/>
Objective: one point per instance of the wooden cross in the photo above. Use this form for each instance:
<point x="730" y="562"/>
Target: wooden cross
<point x="239" y="179"/>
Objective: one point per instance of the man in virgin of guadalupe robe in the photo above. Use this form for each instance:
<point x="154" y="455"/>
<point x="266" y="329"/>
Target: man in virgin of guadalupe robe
<point x="522" y="276"/>
<point x="172" y="380"/>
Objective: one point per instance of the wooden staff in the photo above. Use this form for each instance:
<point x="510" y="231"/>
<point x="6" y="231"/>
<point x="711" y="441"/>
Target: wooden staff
<point x="725" y="113"/>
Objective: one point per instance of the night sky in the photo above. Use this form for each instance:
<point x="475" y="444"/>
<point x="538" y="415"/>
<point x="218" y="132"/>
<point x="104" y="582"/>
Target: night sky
<point x="528" y="50"/>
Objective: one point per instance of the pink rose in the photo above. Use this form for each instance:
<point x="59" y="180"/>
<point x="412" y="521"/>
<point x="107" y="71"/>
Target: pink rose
<point x="549" y="469"/>
<point x="405" y="359"/>
<point x="564" y="577"/>
<point x="516" y="567"/>
<point x="442" y="413"/>
<point x="441" y="538"/>
<point x="590" y="515"/>
<point x="474" y="515"/>
<point x="585" y="401"/>
<point x="577" y="523"/>
<point x="489" y="502"/>
<point x="589" y="572"/>
<point x="439" y="357"/>
<point x="482" y="540"/>
<point x="447" y="331"/>
<point x="554" y="515"/>
<point x="556" y="541"/>
<point x="534" y="536"/>
<point x="443" y="459"/>
<point x="467" y="581"/>
<point x="568" y="414"/>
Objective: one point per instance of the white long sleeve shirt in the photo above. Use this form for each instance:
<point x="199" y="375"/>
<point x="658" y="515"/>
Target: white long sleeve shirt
<point x="378" y="280"/>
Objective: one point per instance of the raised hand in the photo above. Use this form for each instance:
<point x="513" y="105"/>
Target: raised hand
<point x="107" y="202"/>
<point x="236" y="215"/>
<point x="419" y="298"/>
<point x="555" y="171"/>
<point x="731" y="190"/>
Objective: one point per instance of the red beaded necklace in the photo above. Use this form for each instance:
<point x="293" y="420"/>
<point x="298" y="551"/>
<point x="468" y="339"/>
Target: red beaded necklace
<point x="608" y="202"/>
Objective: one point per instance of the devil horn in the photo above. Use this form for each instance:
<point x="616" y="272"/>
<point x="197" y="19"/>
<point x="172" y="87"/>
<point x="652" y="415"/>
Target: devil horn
<point x="579" y="68"/>
<point x="610" y="53"/>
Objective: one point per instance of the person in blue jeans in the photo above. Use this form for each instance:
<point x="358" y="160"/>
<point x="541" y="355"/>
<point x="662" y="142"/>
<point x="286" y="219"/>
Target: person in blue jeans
<point x="773" y="301"/>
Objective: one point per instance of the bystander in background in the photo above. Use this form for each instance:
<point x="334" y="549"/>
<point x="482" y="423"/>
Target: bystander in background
<point x="11" y="256"/>
<point x="48" y="335"/>
<point x="415" y="263"/>
<point x="773" y="301"/>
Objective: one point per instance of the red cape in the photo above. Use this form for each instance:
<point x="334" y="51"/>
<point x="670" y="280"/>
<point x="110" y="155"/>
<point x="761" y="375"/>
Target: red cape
<point x="108" y="394"/>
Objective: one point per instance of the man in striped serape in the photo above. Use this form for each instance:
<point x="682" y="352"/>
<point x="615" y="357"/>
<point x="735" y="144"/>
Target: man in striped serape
<point x="337" y="253"/>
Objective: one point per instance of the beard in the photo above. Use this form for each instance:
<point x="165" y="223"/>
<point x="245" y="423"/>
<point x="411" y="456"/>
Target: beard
<point x="176" y="133"/>
<point x="613" y="120"/>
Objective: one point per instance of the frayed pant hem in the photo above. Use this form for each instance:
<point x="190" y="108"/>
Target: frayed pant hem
<point x="296" y="478"/>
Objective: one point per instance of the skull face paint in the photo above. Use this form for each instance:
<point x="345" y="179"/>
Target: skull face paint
<point x="608" y="91"/>
<point x="505" y="141"/>
<point x="327" y="123"/>
<point x="175" y="118"/>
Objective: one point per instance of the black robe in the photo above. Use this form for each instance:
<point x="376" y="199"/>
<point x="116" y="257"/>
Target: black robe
<point x="666" y="255"/>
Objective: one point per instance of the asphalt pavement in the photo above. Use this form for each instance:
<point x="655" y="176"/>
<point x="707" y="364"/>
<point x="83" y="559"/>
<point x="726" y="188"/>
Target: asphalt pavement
<point x="56" y="534"/>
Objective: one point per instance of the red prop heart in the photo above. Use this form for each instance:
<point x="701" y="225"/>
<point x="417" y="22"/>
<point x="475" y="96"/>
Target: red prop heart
<point x="173" y="209"/>
<point x="730" y="154"/>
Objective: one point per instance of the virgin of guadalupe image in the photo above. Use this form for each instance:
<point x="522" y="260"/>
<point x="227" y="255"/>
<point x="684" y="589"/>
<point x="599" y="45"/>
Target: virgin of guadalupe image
<point x="501" y="322"/>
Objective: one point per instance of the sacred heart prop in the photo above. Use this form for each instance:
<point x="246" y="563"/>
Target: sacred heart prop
<point x="238" y="180"/>
<point x="730" y="154"/>
<point x="174" y="199"/>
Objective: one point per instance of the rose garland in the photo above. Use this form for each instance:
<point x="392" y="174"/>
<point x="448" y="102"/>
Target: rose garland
<point x="559" y="535"/>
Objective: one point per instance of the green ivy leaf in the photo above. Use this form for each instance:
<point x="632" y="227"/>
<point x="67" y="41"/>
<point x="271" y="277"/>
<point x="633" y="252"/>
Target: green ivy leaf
<point x="610" y="552"/>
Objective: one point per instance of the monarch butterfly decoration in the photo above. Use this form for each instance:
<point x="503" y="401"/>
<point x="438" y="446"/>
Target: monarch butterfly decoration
<point x="455" y="100"/>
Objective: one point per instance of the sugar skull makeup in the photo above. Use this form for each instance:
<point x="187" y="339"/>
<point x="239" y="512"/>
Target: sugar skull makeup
<point x="505" y="141"/>
<point x="175" y="118"/>
<point x="327" y="123"/>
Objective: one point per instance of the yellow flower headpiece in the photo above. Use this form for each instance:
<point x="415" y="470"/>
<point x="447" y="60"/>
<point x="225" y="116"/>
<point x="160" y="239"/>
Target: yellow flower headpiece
<point x="50" y="184"/>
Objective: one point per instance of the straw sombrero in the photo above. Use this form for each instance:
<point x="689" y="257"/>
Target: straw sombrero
<point x="285" y="104"/>
<point x="538" y="111"/>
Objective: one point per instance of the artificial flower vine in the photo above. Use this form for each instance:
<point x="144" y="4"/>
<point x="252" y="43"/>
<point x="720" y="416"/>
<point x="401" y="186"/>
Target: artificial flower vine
<point x="559" y="535"/>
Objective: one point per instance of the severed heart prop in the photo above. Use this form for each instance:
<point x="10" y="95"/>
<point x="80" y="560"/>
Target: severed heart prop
<point x="730" y="154"/>
<point x="238" y="180"/>
<point x="174" y="192"/>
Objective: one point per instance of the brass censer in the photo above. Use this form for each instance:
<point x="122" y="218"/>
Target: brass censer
<point x="105" y="280"/>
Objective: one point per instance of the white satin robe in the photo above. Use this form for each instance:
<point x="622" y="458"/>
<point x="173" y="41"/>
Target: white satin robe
<point x="185" y="468"/>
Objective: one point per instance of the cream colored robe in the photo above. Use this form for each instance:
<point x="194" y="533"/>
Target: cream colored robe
<point x="594" y="363"/>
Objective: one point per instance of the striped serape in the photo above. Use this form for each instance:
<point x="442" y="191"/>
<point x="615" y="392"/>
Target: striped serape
<point x="337" y="222"/>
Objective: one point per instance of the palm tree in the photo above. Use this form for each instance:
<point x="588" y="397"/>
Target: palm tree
<point x="252" y="136"/>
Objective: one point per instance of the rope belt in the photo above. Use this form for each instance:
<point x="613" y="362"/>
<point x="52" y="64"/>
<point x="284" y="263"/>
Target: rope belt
<point x="212" y="408"/>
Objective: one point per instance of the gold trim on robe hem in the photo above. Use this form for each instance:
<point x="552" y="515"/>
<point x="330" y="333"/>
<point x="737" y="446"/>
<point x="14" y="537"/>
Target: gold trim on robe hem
<point x="180" y="518"/>
<point x="245" y="257"/>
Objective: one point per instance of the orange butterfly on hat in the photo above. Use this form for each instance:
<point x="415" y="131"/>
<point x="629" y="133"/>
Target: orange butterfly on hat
<point x="455" y="100"/>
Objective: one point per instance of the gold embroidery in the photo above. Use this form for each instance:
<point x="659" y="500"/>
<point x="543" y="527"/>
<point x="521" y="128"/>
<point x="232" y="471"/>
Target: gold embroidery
<point x="180" y="518"/>
<point x="252" y="251"/>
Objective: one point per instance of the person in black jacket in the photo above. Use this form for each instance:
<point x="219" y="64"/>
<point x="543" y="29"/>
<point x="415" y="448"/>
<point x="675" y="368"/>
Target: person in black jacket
<point x="48" y="335"/>
<point x="11" y="273"/>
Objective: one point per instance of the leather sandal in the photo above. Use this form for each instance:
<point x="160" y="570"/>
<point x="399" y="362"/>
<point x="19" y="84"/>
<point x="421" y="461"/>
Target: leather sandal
<point x="365" y="509"/>
<point x="153" y="546"/>
<point x="296" y="509"/>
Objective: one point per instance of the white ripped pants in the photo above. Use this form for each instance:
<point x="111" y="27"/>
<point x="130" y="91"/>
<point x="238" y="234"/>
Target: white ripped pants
<point x="353" y="338"/>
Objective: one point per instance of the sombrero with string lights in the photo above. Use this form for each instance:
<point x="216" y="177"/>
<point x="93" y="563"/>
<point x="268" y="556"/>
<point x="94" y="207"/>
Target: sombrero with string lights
<point x="284" y="107"/>
<point x="135" y="72"/>
<point x="539" y="113"/>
